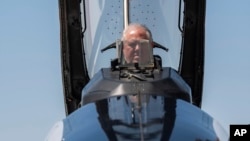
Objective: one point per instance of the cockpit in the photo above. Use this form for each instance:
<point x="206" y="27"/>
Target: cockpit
<point x="135" y="83"/>
<point x="135" y="64"/>
<point x="135" y="91"/>
<point x="135" y="72"/>
<point x="105" y="21"/>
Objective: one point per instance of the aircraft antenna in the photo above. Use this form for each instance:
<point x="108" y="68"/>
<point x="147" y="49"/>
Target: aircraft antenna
<point x="126" y="13"/>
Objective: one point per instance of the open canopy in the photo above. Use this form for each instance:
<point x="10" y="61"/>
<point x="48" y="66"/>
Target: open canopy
<point x="91" y="25"/>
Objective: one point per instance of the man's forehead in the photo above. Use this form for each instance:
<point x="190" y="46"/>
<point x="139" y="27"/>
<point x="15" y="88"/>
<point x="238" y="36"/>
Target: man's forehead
<point x="136" y="40"/>
<point x="138" y="33"/>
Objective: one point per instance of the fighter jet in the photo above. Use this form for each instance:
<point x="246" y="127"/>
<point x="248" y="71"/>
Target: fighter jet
<point x="157" y="98"/>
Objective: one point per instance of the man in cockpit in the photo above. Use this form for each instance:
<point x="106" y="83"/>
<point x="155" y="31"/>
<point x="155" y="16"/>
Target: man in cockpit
<point x="137" y="44"/>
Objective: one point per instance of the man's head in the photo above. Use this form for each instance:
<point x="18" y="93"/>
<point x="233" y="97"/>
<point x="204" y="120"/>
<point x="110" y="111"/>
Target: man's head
<point x="133" y="37"/>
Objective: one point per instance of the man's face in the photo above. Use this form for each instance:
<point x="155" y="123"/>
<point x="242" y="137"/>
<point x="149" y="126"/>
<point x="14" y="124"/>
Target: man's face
<point x="133" y="45"/>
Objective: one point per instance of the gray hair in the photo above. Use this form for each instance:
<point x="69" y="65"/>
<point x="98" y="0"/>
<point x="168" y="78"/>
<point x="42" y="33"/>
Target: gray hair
<point x="137" y="25"/>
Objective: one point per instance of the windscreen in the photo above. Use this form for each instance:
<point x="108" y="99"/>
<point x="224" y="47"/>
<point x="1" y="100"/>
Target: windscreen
<point x="104" y="23"/>
<point x="135" y="52"/>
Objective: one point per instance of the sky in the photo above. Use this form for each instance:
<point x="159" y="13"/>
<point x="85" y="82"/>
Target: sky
<point x="226" y="91"/>
<point x="30" y="69"/>
<point x="30" y="66"/>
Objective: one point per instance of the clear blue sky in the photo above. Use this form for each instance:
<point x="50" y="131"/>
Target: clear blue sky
<point x="226" y="93"/>
<point x="30" y="70"/>
<point x="30" y="73"/>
